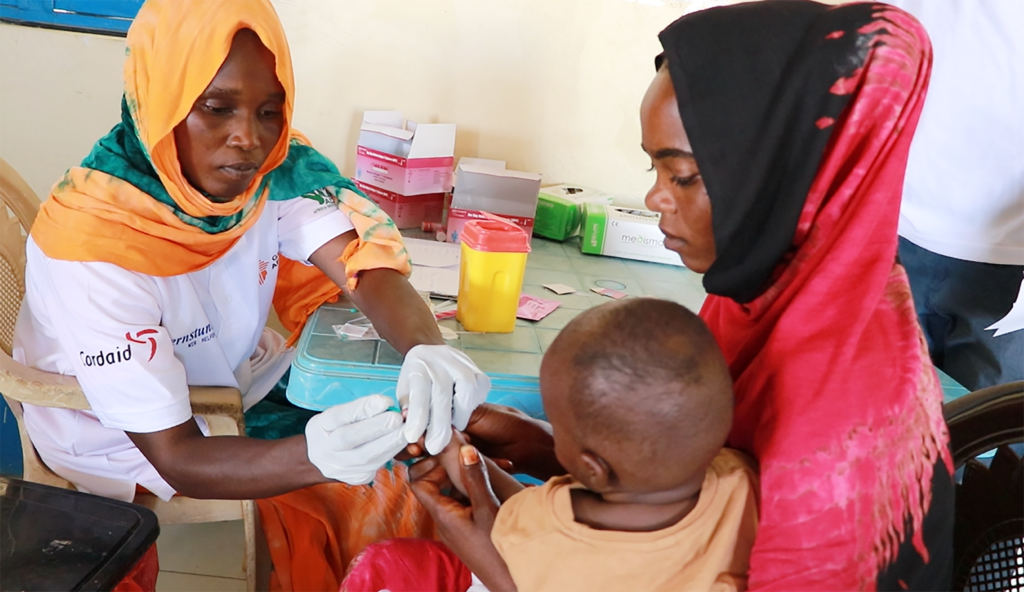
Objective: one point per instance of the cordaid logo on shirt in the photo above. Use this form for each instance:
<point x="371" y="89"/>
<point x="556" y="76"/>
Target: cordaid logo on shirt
<point x="107" y="358"/>
<point x="118" y="355"/>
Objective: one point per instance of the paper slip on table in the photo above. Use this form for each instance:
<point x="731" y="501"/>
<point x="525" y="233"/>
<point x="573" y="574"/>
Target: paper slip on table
<point x="328" y="370"/>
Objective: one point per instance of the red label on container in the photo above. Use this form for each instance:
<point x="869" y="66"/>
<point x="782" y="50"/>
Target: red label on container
<point x="408" y="163"/>
<point x="381" y="156"/>
<point x="376" y="194"/>
<point x="522" y="222"/>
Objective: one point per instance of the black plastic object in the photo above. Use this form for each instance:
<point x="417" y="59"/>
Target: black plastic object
<point x="57" y="539"/>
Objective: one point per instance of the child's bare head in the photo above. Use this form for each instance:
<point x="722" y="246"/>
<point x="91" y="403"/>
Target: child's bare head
<point x="638" y="389"/>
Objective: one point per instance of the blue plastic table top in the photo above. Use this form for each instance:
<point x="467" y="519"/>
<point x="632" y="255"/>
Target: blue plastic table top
<point x="328" y="371"/>
<point x="951" y="389"/>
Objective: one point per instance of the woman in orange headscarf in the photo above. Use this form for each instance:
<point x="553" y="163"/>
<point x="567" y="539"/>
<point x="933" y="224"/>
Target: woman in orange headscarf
<point x="153" y="265"/>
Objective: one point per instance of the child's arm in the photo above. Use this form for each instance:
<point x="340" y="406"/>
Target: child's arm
<point x="503" y="484"/>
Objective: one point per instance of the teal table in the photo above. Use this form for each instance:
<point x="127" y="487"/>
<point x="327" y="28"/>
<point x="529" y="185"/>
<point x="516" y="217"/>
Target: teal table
<point x="951" y="389"/>
<point x="328" y="370"/>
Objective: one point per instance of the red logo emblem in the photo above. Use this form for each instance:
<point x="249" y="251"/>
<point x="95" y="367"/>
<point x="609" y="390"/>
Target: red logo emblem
<point x="139" y="339"/>
<point x="263" y="271"/>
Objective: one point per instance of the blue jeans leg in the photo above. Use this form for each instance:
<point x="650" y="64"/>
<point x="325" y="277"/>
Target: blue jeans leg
<point x="955" y="301"/>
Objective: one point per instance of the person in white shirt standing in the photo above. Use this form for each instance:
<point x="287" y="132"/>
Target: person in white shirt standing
<point x="962" y="217"/>
<point x="153" y="266"/>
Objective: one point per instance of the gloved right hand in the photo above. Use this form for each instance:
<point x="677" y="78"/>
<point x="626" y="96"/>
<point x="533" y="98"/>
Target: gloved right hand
<point x="350" y="442"/>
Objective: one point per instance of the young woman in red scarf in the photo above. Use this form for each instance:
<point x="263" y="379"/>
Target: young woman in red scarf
<point x="779" y="132"/>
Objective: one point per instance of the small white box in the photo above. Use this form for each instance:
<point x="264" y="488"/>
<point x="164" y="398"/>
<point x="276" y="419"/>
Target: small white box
<point x="483" y="185"/>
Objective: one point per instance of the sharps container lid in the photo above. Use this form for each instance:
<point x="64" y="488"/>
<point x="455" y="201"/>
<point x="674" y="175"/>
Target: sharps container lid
<point x="495" y="235"/>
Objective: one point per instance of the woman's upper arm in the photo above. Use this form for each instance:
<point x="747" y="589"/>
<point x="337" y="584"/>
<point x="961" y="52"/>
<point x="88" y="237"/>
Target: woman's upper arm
<point x="108" y="324"/>
<point x="307" y="223"/>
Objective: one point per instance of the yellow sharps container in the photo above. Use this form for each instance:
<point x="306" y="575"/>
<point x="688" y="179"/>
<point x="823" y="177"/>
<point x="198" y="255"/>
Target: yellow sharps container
<point x="491" y="274"/>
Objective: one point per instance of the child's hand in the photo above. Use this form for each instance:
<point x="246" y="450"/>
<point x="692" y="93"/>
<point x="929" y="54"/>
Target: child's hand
<point x="449" y="459"/>
<point x="465" y="529"/>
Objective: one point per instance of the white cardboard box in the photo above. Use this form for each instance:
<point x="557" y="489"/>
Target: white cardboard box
<point x="483" y="185"/>
<point x="405" y="158"/>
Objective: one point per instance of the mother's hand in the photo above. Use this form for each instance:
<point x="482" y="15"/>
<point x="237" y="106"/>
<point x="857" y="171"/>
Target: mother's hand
<point x="465" y="529"/>
<point x="502" y="432"/>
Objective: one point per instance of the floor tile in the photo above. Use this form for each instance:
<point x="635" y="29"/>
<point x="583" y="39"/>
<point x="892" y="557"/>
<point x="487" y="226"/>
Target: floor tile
<point x="519" y="341"/>
<point x="546" y="246"/>
<point x="685" y="293"/>
<point x="578" y="300"/>
<point x="208" y="549"/>
<point x="179" y="582"/>
<point x="621" y="284"/>
<point x="539" y="277"/>
<point x="557" y="319"/>
<point x="499" y="362"/>
<point x="603" y="266"/>
<point x="545" y="261"/>
<point x="571" y="247"/>
<point x="546" y="338"/>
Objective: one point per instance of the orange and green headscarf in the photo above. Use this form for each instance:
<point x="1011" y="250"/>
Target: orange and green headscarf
<point x="129" y="202"/>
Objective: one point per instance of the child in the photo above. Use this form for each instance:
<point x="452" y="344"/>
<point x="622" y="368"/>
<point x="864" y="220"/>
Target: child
<point x="640" y="403"/>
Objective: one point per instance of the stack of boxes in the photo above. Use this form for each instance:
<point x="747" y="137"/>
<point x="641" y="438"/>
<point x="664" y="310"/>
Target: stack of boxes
<point x="405" y="168"/>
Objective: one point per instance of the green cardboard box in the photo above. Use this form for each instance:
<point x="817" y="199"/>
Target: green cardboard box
<point x="559" y="212"/>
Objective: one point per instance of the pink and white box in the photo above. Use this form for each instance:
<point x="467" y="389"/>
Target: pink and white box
<point x="405" y="158"/>
<point x="407" y="211"/>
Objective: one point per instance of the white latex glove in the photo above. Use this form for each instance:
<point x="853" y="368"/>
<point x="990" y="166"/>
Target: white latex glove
<point x="349" y="442"/>
<point x="440" y="386"/>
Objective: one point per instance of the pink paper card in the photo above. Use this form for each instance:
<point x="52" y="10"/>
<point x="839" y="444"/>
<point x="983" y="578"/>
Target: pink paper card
<point x="533" y="308"/>
<point x="609" y="293"/>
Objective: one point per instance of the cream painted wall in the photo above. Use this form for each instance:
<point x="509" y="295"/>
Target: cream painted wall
<point x="59" y="93"/>
<point x="550" y="86"/>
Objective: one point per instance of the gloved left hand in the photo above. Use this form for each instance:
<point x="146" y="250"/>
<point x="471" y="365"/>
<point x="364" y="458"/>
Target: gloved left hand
<point x="349" y="442"/>
<point x="440" y="386"/>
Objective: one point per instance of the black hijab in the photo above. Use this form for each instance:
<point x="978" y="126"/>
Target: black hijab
<point x="753" y="83"/>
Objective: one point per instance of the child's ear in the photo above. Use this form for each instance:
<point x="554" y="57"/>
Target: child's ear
<point x="599" y="474"/>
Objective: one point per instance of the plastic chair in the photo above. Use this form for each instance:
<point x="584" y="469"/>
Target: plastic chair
<point x="988" y="539"/>
<point x="220" y="406"/>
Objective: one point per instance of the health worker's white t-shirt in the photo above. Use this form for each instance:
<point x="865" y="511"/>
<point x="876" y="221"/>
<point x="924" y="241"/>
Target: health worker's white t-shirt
<point x="135" y="342"/>
<point x="963" y="196"/>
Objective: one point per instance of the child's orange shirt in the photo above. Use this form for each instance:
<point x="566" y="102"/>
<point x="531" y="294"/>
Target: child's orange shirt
<point x="709" y="549"/>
